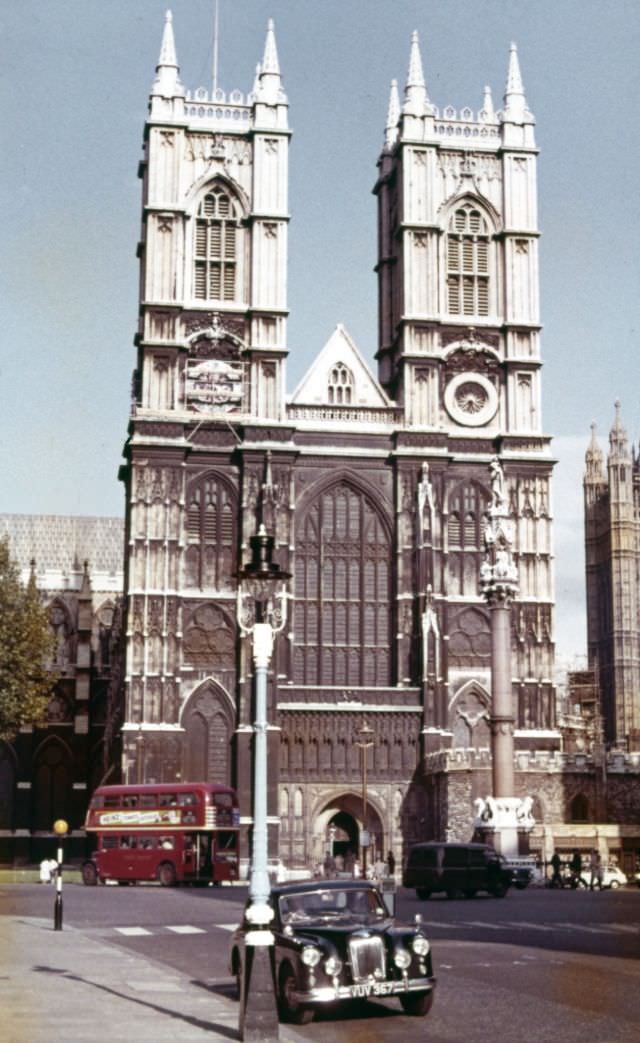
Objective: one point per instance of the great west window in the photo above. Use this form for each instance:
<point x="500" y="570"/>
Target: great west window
<point x="342" y="589"/>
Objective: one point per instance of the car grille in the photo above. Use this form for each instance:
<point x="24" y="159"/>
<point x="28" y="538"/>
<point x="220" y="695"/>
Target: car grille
<point x="367" y="958"/>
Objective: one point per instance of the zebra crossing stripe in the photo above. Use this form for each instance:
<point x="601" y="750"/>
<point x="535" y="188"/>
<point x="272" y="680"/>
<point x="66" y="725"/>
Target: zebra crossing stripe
<point x="186" y="929"/>
<point x="132" y="932"/>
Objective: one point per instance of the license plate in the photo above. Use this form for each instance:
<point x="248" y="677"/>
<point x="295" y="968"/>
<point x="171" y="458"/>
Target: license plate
<point x="372" y="988"/>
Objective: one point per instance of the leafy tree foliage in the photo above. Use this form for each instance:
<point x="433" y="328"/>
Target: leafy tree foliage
<point x="26" y="646"/>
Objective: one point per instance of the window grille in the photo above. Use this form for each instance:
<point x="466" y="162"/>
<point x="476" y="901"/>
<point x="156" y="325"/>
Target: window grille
<point x="210" y="535"/>
<point x="468" y="263"/>
<point x="216" y="248"/>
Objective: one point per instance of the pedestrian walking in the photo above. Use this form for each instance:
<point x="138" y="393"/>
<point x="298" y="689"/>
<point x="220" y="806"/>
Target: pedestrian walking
<point x="556" y="866"/>
<point x="575" y="865"/>
<point x="595" y="865"/>
<point x="391" y="863"/>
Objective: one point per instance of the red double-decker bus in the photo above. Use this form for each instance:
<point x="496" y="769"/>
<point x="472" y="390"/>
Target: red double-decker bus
<point x="182" y="833"/>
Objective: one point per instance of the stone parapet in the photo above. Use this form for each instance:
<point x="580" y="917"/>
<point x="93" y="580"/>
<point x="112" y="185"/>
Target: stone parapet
<point x="549" y="761"/>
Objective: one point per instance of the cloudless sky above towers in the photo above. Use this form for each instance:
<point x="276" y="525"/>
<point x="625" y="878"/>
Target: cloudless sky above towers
<point x="75" y="78"/>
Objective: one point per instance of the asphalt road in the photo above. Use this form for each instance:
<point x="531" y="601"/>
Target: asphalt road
<point x="536" y="966"/>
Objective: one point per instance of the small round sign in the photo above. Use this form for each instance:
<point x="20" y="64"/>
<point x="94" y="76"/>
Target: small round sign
<point x="60" y="827"/>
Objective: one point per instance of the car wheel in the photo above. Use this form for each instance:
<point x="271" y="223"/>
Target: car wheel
<point x="499" y="890"/>
<point x="423" y="894"/>
<point x="470" y="892"/>
<point x="290" y="1008"/>
<point x="418" y="1004"/>
<point x="166" y="874"/>
<point x="614" y="884"/>
<point x="450" y="893"/>
<point x="89" y="874"/>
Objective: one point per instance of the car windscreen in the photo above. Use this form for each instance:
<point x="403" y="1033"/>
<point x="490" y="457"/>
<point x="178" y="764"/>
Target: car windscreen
<point x="363" y="905"/>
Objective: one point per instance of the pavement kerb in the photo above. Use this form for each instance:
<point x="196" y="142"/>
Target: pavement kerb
<point x="70" y="986"/>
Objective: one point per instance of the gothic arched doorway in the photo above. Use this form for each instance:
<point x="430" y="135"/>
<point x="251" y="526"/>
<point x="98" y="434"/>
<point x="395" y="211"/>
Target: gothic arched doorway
<point x="336" y="828"/>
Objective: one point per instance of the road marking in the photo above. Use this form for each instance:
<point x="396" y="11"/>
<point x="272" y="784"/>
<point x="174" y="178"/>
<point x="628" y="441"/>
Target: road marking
<point x="529" y="926"/>
<point x="480" y="923"/>
<point x="583" y="927"/>
<point x="225" y="926"/>
<point x="625" y="927"/>
<point x="186" y="929"/>
<point x="133" y="931"/>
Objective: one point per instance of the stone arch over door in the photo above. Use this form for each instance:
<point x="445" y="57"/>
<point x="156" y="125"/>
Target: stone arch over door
<point x="208" y="722"/>
<point x="52" y="785"/>
<point x="344" y="810"/>
<point x="469" y="717"/>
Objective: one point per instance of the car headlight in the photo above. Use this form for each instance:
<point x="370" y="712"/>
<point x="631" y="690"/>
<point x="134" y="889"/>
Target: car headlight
<point x="420" y="945"/>
<point x="333" y="966"/>
<point x="310" y="955"/>
<point x="402" y="959"/>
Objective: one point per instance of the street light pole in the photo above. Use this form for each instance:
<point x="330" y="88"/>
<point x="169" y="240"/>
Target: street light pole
<point x="364" y="733"/>
<point x="260" y="621"/>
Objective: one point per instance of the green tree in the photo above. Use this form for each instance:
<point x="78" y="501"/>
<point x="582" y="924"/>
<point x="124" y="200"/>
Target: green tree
<point x="26" y="646"/>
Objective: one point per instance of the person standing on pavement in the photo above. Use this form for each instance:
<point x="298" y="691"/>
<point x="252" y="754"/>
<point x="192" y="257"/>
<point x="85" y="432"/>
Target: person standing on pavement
<point x="556" y="865"/>
<point x="596" y="870"/>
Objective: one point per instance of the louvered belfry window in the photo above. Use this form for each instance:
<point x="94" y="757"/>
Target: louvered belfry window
<point x="343" y="593"/>
<point x="468" y="263"/>
<point x="210" y="548"/>
<point x="216" y="248"/>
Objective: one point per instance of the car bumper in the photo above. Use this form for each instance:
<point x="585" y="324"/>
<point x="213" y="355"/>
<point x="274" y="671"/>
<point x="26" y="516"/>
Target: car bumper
<point x="364" y="990"/>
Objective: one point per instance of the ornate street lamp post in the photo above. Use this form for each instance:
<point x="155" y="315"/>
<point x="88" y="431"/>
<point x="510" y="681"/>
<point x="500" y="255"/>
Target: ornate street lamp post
<point x="365" y="740"/>
<point x="261" y="612"/>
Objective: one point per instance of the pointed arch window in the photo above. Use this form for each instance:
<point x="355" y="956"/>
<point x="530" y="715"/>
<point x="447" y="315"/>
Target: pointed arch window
<point x="468" y="262"/>
<point x="340" y="387"/>
<point x="343" y="592"/>
<point x="465" y="537"/>
<point x="217" y="240"/>
<point x="210" y="535"/>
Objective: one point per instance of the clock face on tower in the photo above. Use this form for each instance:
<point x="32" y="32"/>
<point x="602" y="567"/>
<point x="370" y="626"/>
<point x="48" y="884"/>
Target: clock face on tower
<point x="471" y="399"/>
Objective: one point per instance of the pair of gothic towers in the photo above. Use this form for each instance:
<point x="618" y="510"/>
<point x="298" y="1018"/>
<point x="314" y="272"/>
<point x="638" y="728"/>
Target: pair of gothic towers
<point x="374" y="487"/>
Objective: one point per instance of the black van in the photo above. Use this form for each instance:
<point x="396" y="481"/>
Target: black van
<point x="454" y="868"/>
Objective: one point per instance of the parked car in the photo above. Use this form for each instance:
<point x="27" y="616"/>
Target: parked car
<point x="521" y="876"/>
<point x="613" y="877"/>
<point x="335" y="941"/>
<point x="455" y="868"/>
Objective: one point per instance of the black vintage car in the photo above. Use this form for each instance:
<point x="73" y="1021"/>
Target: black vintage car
<point x="335" y="941"/>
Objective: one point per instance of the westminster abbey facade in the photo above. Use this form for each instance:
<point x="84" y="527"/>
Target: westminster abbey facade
<point x="374" y="485"/>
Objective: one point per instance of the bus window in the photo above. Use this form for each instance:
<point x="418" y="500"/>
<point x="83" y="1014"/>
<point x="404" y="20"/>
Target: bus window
<point x="148" y="800"/>
<point x="130" y="801"/>
<point x="167" y="800"/>
<point x="129" y="842"/>
<point x="226" y="841"/>
<point x="108" y="843"/>
<point x="148" y="843"/>
<point x="111" y="801"/>
<point x="167" y="843"/>
<point x="186" y="800"/>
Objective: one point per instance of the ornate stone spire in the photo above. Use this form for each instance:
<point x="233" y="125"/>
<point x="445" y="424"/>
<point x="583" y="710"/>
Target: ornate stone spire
<point x="594" y="460"/>
<point x="515" y="104"/>
<point x="498" y="572"/>
<point x="393" y="115"/>
<point x="269" y="90"/>
<point x="167" y="81"/>
<point x="270" y="60"/>
<point x="415" y="92"/>
<point x="618" y="441"/>
<point x="487" y="112"/>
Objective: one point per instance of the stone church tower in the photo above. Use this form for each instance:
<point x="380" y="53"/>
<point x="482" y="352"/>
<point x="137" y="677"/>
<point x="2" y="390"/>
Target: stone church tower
<point x="612" y="552"/>
<point x="374" y="487"/>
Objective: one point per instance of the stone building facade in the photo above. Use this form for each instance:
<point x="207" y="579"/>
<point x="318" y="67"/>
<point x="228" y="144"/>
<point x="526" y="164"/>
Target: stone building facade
<point x="47" y="773"/>
<point x="374" y="486"/>
<point x="612" y="553"/>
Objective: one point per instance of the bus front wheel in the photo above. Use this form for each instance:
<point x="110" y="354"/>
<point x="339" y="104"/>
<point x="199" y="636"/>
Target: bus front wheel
<point x="166" y="874"/>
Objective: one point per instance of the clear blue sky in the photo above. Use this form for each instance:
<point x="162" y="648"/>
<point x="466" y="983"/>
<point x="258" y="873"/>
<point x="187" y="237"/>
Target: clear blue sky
<point x="75" y="79"/>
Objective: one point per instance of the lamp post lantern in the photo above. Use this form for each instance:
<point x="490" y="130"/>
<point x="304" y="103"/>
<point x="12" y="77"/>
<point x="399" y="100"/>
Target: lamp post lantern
<point x="261" y="613"/>
<point x="365" y="740"/>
